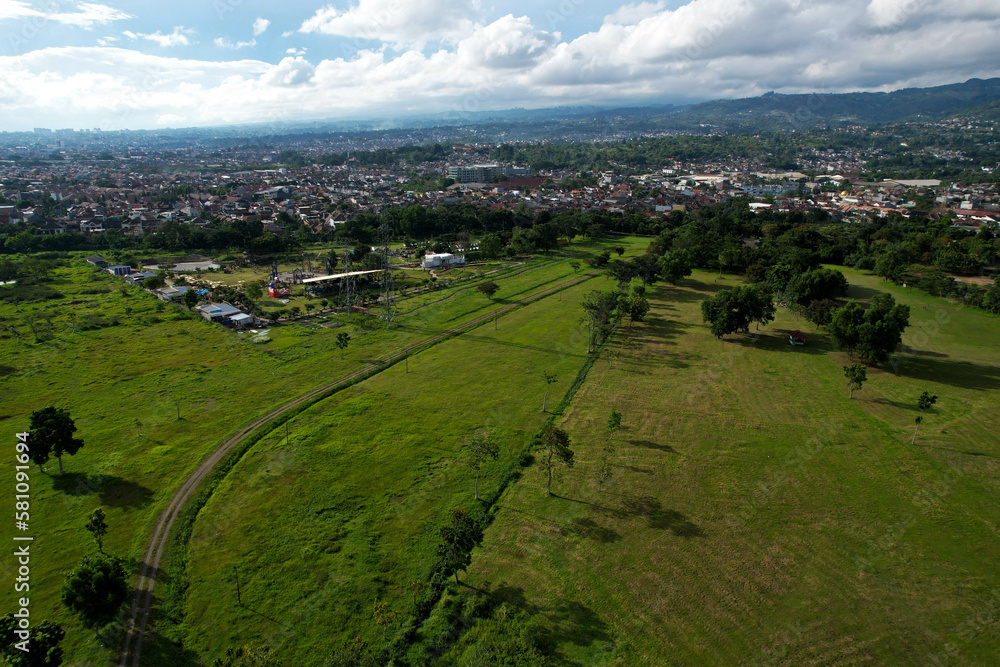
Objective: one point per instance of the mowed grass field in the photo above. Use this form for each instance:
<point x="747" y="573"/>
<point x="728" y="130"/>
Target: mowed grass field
<point x="756" y="515"/>
<point x="141" y="370"/>
<point x="346" y="511"/>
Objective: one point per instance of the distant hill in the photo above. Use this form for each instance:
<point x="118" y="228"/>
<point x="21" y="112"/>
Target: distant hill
<point x="776" y="111"/>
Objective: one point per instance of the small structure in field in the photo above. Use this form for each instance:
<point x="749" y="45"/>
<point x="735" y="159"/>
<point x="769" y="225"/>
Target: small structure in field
<point x="796" y="338"/>
<point x="443" y="260"/>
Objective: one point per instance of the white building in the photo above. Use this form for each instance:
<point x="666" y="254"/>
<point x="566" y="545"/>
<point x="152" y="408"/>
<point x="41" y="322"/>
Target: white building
<point x="443" y="260"/>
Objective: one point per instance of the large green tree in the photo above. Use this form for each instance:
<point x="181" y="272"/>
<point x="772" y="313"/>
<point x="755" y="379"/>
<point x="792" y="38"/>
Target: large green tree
<point x="42" y="645"/>
<point x="51" y="434"/>
<point x="871" y="334"/>
<point x="458" y="539"/>
<point x="734" y="310"/>
<point x="96" y="590"/>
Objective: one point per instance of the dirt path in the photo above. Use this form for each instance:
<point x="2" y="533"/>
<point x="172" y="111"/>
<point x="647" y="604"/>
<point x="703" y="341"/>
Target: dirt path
<point x="161" y="535"/>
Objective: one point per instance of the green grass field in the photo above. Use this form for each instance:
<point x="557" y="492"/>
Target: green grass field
<point x="756" y="515"/>
<point x="348" y="510"/>
<point x="154" y="360"/>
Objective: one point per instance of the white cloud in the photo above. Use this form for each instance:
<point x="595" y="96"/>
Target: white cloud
<point x="260" y="25"/>
<point x="702" y="49"/>
<point x="86" y="14"/>
<point x="179" y="37"/>
<point x="507" y="42"/>
<point x="629" y="14"/>
<point x="108" y="41"/>
<point x="399" y="21"/>
<point x="224" y="43"/>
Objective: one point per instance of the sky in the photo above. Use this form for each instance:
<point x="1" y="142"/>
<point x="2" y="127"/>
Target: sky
<point x="182" y="63"/>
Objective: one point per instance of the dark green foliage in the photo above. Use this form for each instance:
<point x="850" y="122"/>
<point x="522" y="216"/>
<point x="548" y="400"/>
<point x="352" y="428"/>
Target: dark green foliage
<point x="601" y="308"/>
<point x="816" y="285"/>
<point x="820" y="312"/>
<point x="96" y="590"/>
<point x="343" y="340"/>
<point x="247" y="656"/>
<point x="43" y="644"/>
<point x="734" y="310"/>
<point x="856" y="375"/>
<point x="925" y="401"/>
<point x="98" y="527"/>
<point x="489" y="288"/>
<point x="637" y="306"/>
<point x="458" y="539"/>
<point x="190" y="298"/>
<point x="154" y="282"/>
<point x="675" y="266"/>
<point x="507" y="638"/>
<point x="600" y="259"/>
<point x="554" y="444"/>
<point x="51" y="434"/>
<point x="871" y="334"/>
<point x="482" y="447"/>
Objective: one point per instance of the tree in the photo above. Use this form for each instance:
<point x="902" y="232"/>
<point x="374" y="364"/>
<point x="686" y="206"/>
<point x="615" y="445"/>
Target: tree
<point x="190" y="298"/>
<point x="489" y="288"/>
<point x="458" y="539"/>
<point x="872" y="334"/>
<point x="343" y="339"/>
<point x="482" y="446"/>
<point x="733" y="310"/>
<point x="254" y="291"/>
<point x="600" y="259"/>
<point x="604" y="470"/>
<point x="154" y="282"/>
<point x="490" y="246"/>
<point x="620" y="250"/>
<point x="575" y="265"/>
<point x="550" y="378"/>
<point x="555" y="443"/>
<point x="600" y="308"/>
<point x="614" y="423"/>
<point x="637" y="306"/>
<point x="924" y="403"/>
<point x="856" y="375"/>
<point x="247" y="656"/>
<point x="51" y="433"/>
<point x="42" y="645"/>
<point x="96" y="590"/>
<point x="98" y="527"/>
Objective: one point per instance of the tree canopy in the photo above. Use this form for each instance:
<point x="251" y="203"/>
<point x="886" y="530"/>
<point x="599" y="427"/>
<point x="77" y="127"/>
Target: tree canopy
<point x="734" y="310"/>
<point x="51" y="434"/>
<point x="871" y="334"/>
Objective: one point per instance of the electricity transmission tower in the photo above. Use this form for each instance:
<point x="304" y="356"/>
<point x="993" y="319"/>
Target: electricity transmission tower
<point x="388" y="286"/>
<point x="347" y="287"/>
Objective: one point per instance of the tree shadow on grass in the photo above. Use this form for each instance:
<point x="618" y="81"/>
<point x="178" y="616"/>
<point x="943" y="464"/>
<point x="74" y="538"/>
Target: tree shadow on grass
<point x="779" y="343"/>
<point x="689" y="291"/>
<point x="659" y="518"/>
<point x="961" y="374"/>
<point x="125" y="493"/>
<point x="591" y="530"/>
<point x="649" y="444"/>
<point x="113" y="490"/>
<point x="600" y="508"/>
<point x="571" y="622"/>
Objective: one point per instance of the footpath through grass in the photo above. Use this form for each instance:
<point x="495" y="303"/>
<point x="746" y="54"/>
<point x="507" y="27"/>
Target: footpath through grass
<point x="758" y="516"/>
